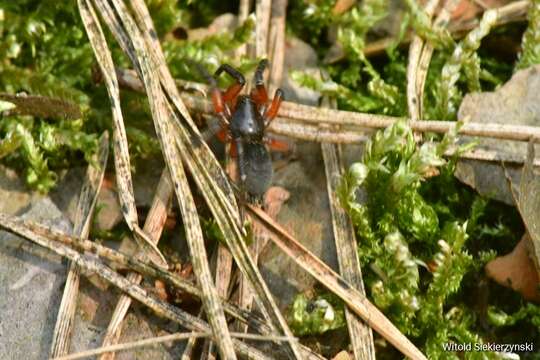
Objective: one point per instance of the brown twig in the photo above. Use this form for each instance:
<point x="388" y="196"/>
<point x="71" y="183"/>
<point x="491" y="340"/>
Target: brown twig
<point x="312" y="124"/>
<point x="349" y="127"/>
<point x="41" y="106"/>
<point x="81" y="228"/>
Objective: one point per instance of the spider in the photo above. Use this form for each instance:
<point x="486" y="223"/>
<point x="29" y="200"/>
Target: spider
<point x="245" y="119"/>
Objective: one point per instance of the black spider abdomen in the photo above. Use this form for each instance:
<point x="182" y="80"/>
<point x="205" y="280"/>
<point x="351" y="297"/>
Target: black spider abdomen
<point x="258" y="169"/>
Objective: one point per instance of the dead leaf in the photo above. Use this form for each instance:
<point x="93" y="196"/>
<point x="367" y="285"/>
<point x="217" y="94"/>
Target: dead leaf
<point x="342" y="355"/>
<point x="342" y="6"/>
<point x="468" y="10"/>
<point x="516" y="270"/>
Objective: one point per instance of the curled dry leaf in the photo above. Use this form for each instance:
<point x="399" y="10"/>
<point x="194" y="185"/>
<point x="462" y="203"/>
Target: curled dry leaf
<point x="520" y="270"/>
<point x="517" y="271"/>
<point x="342" y="355"/>
<point x="468" y="10"/>
<point x="342" y="6"/>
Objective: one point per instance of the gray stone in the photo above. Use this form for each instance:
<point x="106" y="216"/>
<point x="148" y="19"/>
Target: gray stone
<point x="30" y="288"/>
<point x="300" y="56"/>
<point x="16" y="196"/>
<point x="65" y="194"/>
<point x="306" y="215"/>
<point x="514" y="103"/>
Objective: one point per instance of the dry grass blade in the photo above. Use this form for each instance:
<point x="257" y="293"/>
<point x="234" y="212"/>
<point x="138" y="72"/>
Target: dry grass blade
<point x="132" y="345"/>
<point x="242" y="257"/>
<point x="310" y="123"/>
<point x="138" y="266"/>
<point x="276" y="43"/>
<point x="415" y="51"/>
<point x="120" y="18"/>
<point x="121" y="152"/>
<point x="81" y="228"/>
<point x="245" y="293"/>
<point x="306" y="131"/>
<point x="42" y="106"/>
<point x="19" y="227"/>
<point x="190" y="345"/>
<point x="360" y="334"/>
<point x="216" y="175"/>
<point x="334" y="282"/>
<point x="223" y="273"/>
<point x="212" y="181"/>
<point x="159" y="340"/>
<point x="263" y="9"/>
<point x="153" y="226"/>
<point x="243" y="13"/>
<point x="427" y="51"/>
<point x="149" y="269"/>
<point x="349" y="127"/>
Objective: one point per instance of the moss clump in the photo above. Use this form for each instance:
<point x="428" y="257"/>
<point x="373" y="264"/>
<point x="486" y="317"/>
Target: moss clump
<point x="415" y="244"/>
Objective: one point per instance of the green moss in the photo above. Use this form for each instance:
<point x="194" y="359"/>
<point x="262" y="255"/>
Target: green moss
<point x="418" y="242"/>
<point x="530" y="45"/>
<point x="317" y="315"/>
<point x="45" y="52"/>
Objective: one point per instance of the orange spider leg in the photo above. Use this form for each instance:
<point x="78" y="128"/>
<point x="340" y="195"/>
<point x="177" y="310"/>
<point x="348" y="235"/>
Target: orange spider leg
<point x="259" y="94"/>
<point x="277" y="145"/>
<point x="272" y="111"/>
